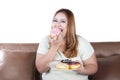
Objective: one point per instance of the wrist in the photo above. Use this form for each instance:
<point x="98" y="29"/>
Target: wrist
<point x="53" y="49"/>
<point x="82" y="70"/>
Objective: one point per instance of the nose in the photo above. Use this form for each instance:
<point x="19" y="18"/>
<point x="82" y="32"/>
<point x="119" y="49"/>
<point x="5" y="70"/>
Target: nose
<point x="57" y="24"/>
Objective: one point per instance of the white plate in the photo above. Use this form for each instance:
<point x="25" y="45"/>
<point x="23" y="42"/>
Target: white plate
<point x="54" y="63"/>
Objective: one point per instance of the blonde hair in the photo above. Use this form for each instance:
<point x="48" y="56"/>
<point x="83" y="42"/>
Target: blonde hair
<point x="71" y="37"/>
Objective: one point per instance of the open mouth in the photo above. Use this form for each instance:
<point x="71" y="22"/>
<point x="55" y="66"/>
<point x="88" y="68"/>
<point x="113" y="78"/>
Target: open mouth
<point x="61" y="30"/>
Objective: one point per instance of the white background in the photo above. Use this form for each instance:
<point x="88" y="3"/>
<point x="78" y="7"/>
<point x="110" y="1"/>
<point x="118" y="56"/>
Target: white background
<point x="28" y="21"/>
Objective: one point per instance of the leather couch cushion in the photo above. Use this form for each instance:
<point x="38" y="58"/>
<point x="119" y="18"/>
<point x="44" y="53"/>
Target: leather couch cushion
<point x="108" y="68"/>
<point x="17" y="65"/>
<point x="106" y="49"/>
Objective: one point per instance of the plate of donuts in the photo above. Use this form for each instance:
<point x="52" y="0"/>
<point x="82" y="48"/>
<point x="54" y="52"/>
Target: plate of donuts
<point x="65" y="64"/>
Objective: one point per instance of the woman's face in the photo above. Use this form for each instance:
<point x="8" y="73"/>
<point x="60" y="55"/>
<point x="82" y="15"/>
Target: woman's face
<point x="60" y="21"/>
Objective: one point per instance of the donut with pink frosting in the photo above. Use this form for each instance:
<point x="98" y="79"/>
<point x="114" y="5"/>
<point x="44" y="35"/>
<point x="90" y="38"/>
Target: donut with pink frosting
<point x="54" y="33"/>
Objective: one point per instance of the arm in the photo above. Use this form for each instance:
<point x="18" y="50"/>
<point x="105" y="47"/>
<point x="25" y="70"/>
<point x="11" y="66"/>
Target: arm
<point x="90" y="66"/>
<point x="43" y="60"/>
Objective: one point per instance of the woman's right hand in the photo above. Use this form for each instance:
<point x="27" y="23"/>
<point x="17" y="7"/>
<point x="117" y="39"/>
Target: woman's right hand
<point x="57" y="42"/>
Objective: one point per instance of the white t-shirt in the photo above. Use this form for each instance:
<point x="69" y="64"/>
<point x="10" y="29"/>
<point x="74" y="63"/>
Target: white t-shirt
<point x="85" y="50"/>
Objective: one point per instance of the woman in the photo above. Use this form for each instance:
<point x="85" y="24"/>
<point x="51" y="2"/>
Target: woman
<point x="66" y="45"/>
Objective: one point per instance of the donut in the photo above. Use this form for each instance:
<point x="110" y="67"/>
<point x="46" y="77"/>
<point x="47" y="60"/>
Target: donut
<point x="67" y="64"/>
<point x="62" y="66"/>
<point x="54" y="33"/>
<point x="74" y="65"/>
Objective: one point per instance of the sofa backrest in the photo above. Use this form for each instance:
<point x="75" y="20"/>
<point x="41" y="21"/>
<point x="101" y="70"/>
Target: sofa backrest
<point x="17" y="61"/>
<point x="108" y="57"/>
<point x="106" y="49"/>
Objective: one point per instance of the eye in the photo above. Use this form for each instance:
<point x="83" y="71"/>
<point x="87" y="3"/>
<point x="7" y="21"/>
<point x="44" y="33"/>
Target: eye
<point x="63" y="21"/>
<point x="54" y="20"/>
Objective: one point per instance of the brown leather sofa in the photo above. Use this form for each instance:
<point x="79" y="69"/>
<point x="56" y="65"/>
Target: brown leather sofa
<point x="17" y="61"/>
